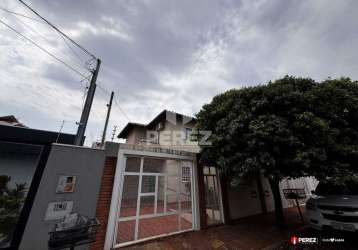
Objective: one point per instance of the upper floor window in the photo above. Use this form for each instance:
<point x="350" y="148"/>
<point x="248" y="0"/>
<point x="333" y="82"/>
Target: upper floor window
<point x="188" y="132"/>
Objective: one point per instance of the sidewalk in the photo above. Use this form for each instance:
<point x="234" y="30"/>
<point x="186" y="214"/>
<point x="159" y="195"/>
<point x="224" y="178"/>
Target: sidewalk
<point x="255" y="232"/>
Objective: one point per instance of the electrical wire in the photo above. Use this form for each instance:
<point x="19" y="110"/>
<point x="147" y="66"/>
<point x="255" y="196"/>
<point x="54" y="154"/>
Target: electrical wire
<point x="39" y="34"/>
<point x="115" y="101"/>
<point x="46" y="39"/>
<point x="64" y="37"/>
<point x="55" y="28"/>
<point x="22" y="15"/>
<point x="32" y="29"/>
<point x="44" y="50"/>
<point x="120" y="108"/>
<point x="72" y="50"/>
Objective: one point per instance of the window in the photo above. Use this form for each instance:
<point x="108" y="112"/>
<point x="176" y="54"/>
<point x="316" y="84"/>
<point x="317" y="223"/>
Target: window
<point x="186" y="174"/>
<point x="188" y="132"/>
<point x="191" y="135"/>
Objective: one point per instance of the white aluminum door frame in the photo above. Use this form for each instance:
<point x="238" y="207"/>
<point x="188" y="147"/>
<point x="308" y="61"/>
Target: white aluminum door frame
<point x="111" y="234"/>
<point x="217" y="186"/>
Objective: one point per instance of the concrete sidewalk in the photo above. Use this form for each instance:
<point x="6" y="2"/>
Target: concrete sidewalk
<point x="254" y="232"/>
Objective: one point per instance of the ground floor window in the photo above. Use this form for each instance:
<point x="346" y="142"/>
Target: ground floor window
<point x="156" y="198"/>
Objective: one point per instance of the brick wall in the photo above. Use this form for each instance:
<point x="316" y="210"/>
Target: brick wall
<point x="201" y="191"/>
<point x="104" y="201"/>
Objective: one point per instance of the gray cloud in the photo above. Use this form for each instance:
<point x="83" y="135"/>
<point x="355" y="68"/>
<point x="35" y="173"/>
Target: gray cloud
<point x="179" y="54"/>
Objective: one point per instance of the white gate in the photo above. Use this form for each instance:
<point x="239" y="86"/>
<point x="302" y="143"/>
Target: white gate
<point x="155" y="198"/>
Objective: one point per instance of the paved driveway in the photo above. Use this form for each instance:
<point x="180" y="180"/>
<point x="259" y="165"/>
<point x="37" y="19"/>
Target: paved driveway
<point x="255" y="232"/>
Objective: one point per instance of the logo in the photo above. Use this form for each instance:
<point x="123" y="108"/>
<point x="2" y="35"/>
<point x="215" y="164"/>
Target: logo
<point x="303" y="240"/>
<point x="294" y="240"/>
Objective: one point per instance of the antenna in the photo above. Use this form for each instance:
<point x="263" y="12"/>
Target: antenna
<point x="114" y="132"/>
<point x="59" y="132"/>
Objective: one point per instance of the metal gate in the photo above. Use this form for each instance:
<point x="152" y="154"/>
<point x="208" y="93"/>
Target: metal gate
<point x="214" y="214"/>
<point x="155" y="199"/>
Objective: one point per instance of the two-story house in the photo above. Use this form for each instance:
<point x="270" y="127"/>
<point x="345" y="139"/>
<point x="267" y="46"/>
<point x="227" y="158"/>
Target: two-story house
<point x="153" y="185"/>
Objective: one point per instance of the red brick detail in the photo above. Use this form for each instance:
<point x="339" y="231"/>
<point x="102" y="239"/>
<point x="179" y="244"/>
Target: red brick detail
<point x="225" y="200"/>
<point x="201" y="191"/>
<point x="104" y="201"/>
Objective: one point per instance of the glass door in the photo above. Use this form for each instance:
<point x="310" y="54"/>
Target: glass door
<point x="156" y="199"/>
<point x="212" y="197"/>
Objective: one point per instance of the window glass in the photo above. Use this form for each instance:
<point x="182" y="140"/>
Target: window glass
<point x="188" y="132"/>
<point x="157" y="226"/>
<point x="132" y="164"/>
<point x="18" y="163"/>
<point x="146" y="205"/>
<point x="148" y="184"/>
<point x="125" y="231"/>
<point x="185" y="174"/>
<point x="154" y="165"/>
<point x="206" y="170"/>
<point x="129" y="195"/>
<point x="212" y="170"/>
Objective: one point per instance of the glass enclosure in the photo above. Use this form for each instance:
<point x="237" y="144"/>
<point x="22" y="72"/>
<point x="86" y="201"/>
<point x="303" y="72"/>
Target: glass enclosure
<point x="156" y="198"/>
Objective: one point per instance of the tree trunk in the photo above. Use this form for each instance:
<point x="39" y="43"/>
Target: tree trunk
<point x="275" y="188"/>
<point x="261" y="193"/>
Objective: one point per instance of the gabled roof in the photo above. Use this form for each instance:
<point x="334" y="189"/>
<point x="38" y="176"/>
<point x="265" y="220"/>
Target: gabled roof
<point x="10" y="120"/>
<point x="129" y="127"/>
<point x="164" y="115"/>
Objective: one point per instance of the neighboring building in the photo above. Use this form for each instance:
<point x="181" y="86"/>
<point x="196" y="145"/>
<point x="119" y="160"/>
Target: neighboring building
<point x="10" y="120"/>
<point x="154" y="185"/>
<point x="22" y="155"/>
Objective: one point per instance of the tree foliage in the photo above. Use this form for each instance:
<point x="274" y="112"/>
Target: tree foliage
<point x="291" y="127"/>
<point x="11" y="201"/>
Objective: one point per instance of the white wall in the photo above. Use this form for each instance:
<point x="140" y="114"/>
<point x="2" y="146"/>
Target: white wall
<point x="84" y="163"/>
<point x="243" y="201"/>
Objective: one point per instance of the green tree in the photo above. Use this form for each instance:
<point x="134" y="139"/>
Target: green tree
<point x="11" y="201"/>
<point x="292" y="127"/>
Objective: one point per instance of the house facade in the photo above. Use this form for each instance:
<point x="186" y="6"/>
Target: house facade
<point x="168" y="129"/>
<point x="153" y="186"/>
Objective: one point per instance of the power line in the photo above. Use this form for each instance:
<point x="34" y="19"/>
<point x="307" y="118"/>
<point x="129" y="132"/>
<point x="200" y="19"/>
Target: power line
<point x="119" y="107"/>
<point x="115" y="101"/>
<point x="71" y="49"/>
<point x="39" y="34"/>
<point x="22" y="15"/>
<point x="32" y="29"/>
<point x="55" y="28"/>
<point x="44" y="50"/>
<point x="62" y="37"/>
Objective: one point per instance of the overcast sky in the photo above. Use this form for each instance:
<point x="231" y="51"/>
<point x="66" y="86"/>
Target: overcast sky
<point x="159" y="55"/>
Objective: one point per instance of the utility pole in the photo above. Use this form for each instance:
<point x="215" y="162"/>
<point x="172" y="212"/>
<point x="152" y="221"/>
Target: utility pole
<point x="107" y="118"/>
<point x="87" y="108"/>
<point x="114" y="132"/>
<point x="59" y="132"/>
